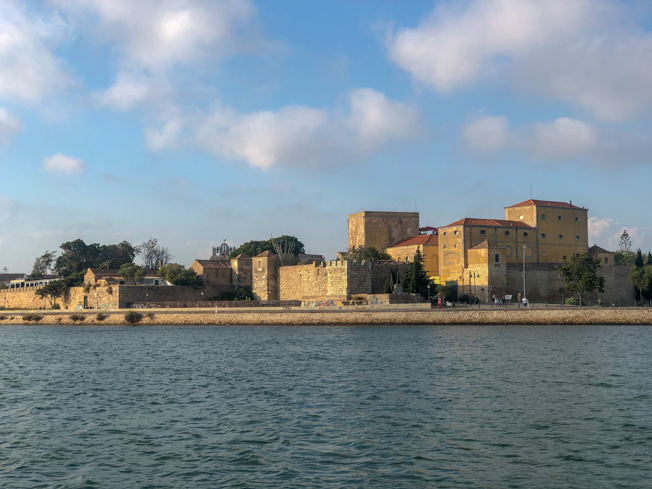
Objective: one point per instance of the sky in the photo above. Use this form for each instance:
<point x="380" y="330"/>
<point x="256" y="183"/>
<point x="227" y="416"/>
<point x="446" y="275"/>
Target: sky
<point x="200" y="121"/>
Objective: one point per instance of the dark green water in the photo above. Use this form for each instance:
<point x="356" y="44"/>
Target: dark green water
<point x="277" y="407"/>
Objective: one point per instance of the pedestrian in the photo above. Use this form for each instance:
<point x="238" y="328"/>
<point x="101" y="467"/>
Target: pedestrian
<point x="524" y="301"/>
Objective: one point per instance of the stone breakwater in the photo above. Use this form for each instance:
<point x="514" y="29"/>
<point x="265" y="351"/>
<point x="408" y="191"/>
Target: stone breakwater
<point x="566" y="316"/>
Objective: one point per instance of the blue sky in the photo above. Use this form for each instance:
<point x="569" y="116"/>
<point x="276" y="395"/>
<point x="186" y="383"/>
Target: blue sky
<point x="198" y="121"/>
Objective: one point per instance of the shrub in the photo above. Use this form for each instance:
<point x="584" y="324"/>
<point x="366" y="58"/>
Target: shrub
<point x="77" y="317"/>
<point x="2" y="318"/>
<point x="2" y="308"/>
<point x="32" y="317"/>
<point x="572" y="301"/>
<point x="109" y="290"/>
<point x="132" y="317"/>
<point x="149" y="315"/>
<point x="56" y="306"/>
<point x="87" y="288"/>
<point x="100" y="316"/>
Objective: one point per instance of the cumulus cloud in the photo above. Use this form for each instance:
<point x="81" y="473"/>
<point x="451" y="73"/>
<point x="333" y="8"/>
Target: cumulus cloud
<point x="156" y="34"/>
<point x="296" y="135"/>
<point x="28" y="68"/>
<point x="64" y="165"/>
<point x="607" y="233"/>
<point x="581" y="51"/>
<point x="128" y="91"/>
<point x="561" y="140"/>
<point x="9" y="126"/>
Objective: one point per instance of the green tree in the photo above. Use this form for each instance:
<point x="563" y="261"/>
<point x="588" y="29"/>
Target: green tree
<point x="639" y="262"/>
<point x="641" y="278"/>
<point x="443" y="291"/>
<point x="625" y="244"/>
<point x="54" y="290"/>
<point x="253" y="248"/>
<point x="391" y="281"/>
<point x="581" y="274"/>
<point x="649" y="258"/>
<point x="78" y="257"/>
<point x="178" y="275"/>
<point x="627" y="258"/>
<point x="366" y="253"/>
<point x="132" y="272"/>
<point x="418" y="279"/>
<point x="43" y="264"/>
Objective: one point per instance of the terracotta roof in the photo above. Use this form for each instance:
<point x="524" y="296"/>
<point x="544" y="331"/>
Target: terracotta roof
<point x="548" y="203"/>
<point x="422" y="239"/>
<point x="214" y="263"/>
<point x="597" y="249"/>
<point x="266" y="253"/>
<point x="241" y="255"/>
<point x="8" y="277"/>
<point x="471" y="221"/>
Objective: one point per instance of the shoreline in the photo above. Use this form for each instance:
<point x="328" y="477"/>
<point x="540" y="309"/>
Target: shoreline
<point x="325" y="317"/>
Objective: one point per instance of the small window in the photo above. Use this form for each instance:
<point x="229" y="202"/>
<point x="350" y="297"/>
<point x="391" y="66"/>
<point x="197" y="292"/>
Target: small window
<point x="543" y="216"/>
<point x="561" y="218"/>
<point x="577" y="238"/>
<point x="564" y="258"/>
<point x="455" y="233"/>
<point x="525" y="234"/>
<point x="543" y="235"/>
<point x="260" y="263"/>
<point x="506" y="233"/>
<point x="543" y="253"/>
<point x="561" y="236"/>
<point x="496" y="257"/>
<point x="445" y="233"/>
<point x="577" y="219"/>
<point x="521" y="217"/>
<point x="482" y="231"/>
<point x="606" y="261"/>
<point x="455" y="245"/>
<point x="445" y="247"/>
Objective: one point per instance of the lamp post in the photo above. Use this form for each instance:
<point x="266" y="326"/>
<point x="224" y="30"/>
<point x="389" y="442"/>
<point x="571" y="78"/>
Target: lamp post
<point x="562" y="289"/>
<point x="473" y="275"/>
<point x="524" y="246"/>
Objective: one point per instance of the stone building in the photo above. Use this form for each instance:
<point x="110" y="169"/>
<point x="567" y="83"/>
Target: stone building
<point x="214" y="272"/>
<point x="381" y="229"/>
<point x="428" y="244"/>
<point x="222" y="252"/>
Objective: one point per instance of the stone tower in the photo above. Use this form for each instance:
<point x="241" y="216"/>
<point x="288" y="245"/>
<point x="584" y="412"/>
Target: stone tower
<point x="265" y="276"/>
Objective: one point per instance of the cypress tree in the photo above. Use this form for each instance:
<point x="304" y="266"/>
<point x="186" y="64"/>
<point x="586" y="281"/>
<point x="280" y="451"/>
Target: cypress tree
<point x="639" y="263"/>
<point x="418" y="280"/>
<point x="649" y="258"/>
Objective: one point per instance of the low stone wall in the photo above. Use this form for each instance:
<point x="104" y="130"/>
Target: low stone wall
<point x="566" y="316"/>
<point x="212" y="304"/>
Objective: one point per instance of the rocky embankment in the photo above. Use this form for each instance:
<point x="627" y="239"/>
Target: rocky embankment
<point x="565" y="316"/>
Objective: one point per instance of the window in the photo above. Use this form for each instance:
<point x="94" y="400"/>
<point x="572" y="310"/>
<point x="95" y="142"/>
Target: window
<point x="445" y="233"/>
<point x="561" y="218"/>
<point x="496" y="257"/>
<point x="543" y="253"/>
<point x="543" y="235"/>
<point x="577" y="219"/>
<point x="543" y="216"/>
<point x="506" y="233"/>
<point x="577" y="238"/>
<point x="606" y="261"/>
<point x="521" y="217"/>
<point x="561" y="236"/>
<point x="563" y="257"/>
<point x="260" y="263"/>
<point x="455" y="245"/>
<point x="445" y="247"/>
<point x="482" y="231"/>
<point x="525" y="234"/>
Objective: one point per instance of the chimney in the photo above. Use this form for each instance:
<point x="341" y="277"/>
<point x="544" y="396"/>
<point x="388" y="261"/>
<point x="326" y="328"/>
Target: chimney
<point x="160" y="264"/>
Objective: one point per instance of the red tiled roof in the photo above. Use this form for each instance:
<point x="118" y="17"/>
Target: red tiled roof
<point x="597" y="249"/>
<point x="241" y="256"/>
<point x="214" y="263"/>
<point x="422" y="239"/>
<point x="266" y="253"/>
<point x="471" y="221"/>
<point x="547" y="203"/>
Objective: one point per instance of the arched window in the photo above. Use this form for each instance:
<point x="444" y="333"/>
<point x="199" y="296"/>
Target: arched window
<point x="564" y="258"/>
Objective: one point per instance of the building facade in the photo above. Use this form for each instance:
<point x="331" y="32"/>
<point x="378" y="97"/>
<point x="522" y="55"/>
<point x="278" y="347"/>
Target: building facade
<point x="381" y="229"/>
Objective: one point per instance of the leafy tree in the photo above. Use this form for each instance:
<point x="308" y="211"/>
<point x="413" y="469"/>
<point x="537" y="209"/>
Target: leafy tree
<point x="641" y="278"/>
<point x="54" y="290"/>
<point x="132" y="272"/>
<point x="43" y="264"/>
<point x="152" y="253"/>
<point x="628" y="258"/>
<point x="178" y="275"/>
<point x="3" y="286"/>
<point x="366" y="253"/>
<point x="625" y="244"/>
<point x="418" y="280"/>
<point x="443" y="291"/>
<point x="253" y="248"/>
<point x="77" y="256"/>
<point x="649" y="258"/>
<point x="581" y="274"/>
<point x="639" y="262"/>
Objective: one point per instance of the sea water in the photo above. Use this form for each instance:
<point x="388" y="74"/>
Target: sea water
<point x="286" y="407"/>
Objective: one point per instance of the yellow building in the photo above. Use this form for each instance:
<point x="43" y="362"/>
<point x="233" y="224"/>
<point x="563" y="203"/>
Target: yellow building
<point x="404" y="251"/>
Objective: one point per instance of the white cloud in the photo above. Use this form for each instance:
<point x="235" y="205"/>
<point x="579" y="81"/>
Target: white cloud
<point x="304" y="136"/>
<point x="64" y="165"/>
<point x="128" y="91"/>
<point x="599" y="227"/>
<point x="28" y="69"/>
<point x="156" y="34"/>
<point x="487" y="134"/>
<point x="581" y="51"/>
<point x="563" y="138"/>
<point x="9" y="126"/>
<point x="607" y="233"/>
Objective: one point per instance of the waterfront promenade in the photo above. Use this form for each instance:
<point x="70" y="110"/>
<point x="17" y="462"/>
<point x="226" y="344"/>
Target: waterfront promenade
<point x="341" y="316"/>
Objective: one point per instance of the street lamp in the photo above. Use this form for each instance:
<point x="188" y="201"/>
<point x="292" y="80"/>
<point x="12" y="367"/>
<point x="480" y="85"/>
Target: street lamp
<point x="524" y="246"/>
<point x="473" y="275"/>
<point x="428" y="292"/>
